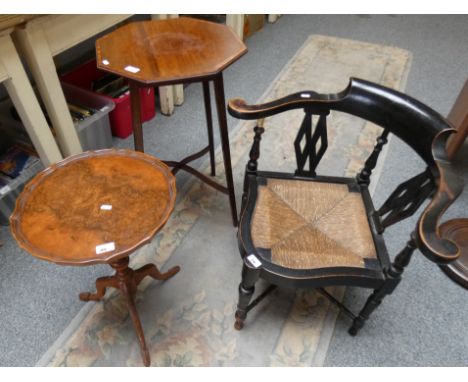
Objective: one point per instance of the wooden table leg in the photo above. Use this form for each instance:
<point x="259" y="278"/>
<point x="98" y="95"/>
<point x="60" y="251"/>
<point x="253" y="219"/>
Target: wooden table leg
<point x="26" y="103"/>
<point x="33" y="45"/>
<point x="129" y="296"/>
<point x="236" y="23"/>
<point x="458" y="116"/>
<point x="209" y="124"/>
<point x="102" y="284"/>
<point x="136" y="116"/>
<point x="223" y="129"/>
<point x="127" y="280"/>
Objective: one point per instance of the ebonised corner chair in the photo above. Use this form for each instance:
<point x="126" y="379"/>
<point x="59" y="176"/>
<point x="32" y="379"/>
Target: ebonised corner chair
<point x="290" y="233"/>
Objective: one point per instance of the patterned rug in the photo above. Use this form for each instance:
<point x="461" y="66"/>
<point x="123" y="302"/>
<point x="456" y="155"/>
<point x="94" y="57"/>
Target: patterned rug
<point x="188" y="320"/>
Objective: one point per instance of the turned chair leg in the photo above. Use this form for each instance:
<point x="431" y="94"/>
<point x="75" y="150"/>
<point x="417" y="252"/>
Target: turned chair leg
<point x="372" y="303"/>
<point x="394" y="278"/>
<point x="246" y="290"/>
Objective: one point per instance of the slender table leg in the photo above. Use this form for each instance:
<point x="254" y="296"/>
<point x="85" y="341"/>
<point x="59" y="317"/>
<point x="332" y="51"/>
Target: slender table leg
<point x="166" y="99"/>
<point x="223" y="129"/>
<point x="129" y="296"/>
<point x="209" y="124"/>
<point x="136" y="116"/>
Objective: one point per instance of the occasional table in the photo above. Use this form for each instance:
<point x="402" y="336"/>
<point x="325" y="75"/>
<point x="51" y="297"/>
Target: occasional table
<point x="457" y="231"/>
<point x="175" y="51"/>
<point x="98" y="207"/>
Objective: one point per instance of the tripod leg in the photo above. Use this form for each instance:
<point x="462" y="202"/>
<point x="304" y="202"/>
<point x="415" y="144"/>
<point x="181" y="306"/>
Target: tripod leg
<point x="152" y="271"/>
<point x="102" y="284"/>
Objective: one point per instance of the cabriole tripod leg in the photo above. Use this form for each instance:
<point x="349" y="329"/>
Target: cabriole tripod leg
<point x="137" y="325"/>
<point x="209" y="125"/>
<point x="102" y="284"/>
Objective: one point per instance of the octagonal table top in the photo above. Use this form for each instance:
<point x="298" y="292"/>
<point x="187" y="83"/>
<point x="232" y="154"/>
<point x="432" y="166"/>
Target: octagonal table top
<point x="169" y="51"/>
<point x="94" y="207"/>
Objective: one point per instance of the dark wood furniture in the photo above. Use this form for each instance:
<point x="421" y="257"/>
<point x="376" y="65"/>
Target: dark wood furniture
<point x="175" y="51"/>
<point x="307" y="230"/>
<point x="456" y="230"/>
<point x="98" y="207"/>
<point x="458" y="116"/>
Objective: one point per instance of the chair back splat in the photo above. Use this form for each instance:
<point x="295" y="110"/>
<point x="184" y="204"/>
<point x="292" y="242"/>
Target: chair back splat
<point x="316" y="143"/>
<point x="306" y="230"/>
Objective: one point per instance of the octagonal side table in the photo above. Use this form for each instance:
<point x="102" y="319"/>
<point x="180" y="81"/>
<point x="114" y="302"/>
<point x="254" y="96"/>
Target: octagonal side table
<point x="98" y="207"/>
<point x="176" y="51"/>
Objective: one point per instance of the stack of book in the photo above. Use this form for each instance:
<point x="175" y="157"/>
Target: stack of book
<point x="78" y="113"/>
<point x="14" y="161"/>
<point x="110" y="85"/>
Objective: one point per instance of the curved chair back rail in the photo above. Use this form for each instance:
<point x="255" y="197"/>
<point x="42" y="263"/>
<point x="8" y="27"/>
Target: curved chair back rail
<point x="406" y="117"/>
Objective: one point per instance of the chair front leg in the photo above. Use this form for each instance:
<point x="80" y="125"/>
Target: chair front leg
<point x="394" y="278"/>
<point x="250" y="276"/>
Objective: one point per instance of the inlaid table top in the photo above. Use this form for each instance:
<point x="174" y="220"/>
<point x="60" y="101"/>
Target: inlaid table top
<point x="94" y="207"/>
<point x="161" y="51"/>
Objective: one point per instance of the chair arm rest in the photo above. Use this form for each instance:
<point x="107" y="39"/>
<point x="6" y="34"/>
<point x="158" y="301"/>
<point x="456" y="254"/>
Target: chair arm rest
<point x="449" y="187"/>
<point x="318" y="103"/>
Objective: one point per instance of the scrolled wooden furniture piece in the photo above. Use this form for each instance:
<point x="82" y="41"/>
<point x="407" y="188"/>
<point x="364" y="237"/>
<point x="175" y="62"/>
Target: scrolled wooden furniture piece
<point x="307" y="230"/>
<point x="176" y="51"/>
<point x="456" y="230"/>
<point x="98" y="207"/>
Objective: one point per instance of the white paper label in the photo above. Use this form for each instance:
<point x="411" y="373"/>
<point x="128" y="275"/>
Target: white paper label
<point x="254" y="261"/>
<point x="106" y="207"/>
<point x="132" y="69"/>
<point x="4" y="190"/>
<point x="305" y="95"/>
<point x="103" y="248"/>
<point x="105" y="62"/>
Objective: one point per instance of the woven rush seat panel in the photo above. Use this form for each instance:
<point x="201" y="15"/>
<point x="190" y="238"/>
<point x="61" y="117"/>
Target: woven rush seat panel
<point x="307" y="225"/>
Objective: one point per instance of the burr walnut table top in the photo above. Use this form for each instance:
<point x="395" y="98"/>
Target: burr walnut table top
<point x="95" y="207"/>
<point x="165" y="51"/>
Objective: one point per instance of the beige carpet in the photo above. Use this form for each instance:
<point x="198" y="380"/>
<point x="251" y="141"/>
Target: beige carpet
<point x="188" y="321"/>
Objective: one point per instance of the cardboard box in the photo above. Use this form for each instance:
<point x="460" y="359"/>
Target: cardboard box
<point x="252" y="24"/>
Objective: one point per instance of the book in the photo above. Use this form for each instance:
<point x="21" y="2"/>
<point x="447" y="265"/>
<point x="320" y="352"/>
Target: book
<point x="16" y="159"/>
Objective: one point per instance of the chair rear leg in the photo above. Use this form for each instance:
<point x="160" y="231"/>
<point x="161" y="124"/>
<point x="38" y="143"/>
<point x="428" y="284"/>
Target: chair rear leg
<point x="372" y="303"/>
<point x="394" y="278"/>
<point x="250" y="276"/>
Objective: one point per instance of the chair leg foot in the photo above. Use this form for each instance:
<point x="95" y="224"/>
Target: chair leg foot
<point x="241" y="313"/>
<point x="239" y="324"/>
<point x="358" y="323"/>
<point x="246" y="290"/>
